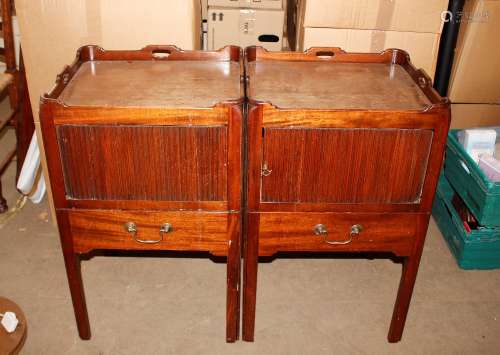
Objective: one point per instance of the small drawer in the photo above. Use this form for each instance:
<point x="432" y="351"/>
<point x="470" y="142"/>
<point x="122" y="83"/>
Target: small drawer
<point x="390" y="232"/>
<point x="149" y="230"/>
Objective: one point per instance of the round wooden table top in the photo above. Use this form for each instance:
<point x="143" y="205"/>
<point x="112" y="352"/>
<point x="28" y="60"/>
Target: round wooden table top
<point x="11" y="343"/>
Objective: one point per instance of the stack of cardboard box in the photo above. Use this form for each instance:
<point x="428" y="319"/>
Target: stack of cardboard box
<point x="475" y="82"/>
<point x="374" y="25"/>
<point x="52" y="31"/>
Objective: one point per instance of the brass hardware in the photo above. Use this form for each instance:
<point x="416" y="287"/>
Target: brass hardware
<point x="166" y="228"/>
<point x="422" y="82"/>
<point x="356" y="229"/>
<point x="265" y="171"/>
<point x="320" y="230"/>
<point x="131" y="228"/>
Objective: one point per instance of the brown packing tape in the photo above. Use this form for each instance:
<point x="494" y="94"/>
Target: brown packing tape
<point x="385" y="16"/>
<point x="93" y="22"/>
<point x="385" y="13"/>
<point x="377" y="42"/>
<point x="301" y="6"/>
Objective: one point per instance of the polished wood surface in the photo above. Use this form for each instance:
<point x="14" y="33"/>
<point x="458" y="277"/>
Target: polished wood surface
<point x="153" y="84"/>
<point x="152" y="53"/>
<point x="152" y="136"/>
<point x="177" y="163"/>
<point x="335" y="55"/>
<point x="274" y="117"/>
<point x="216" y="116"/>
<point x="191" y="231"/>
<point x="344" y="165"/>
<point x="294" y="232"/>
<point x="320" y="85"/>
<point x="340" y="139"/>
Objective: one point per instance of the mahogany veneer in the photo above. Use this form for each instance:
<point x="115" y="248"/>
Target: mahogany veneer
<point x="344" y="153"/>
<point x="144" y="150"/>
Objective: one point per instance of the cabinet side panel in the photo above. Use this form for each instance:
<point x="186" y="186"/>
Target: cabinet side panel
<point x="345" y="165"/>
<point x="170" y="163"/>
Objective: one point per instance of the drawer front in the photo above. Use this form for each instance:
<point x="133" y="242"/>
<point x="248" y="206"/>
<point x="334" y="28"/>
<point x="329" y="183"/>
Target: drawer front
<point x="145" y="230"/>
<point x="340" y="165"/>
<point x="166" y="163"/>
<point x="393" y="232"/>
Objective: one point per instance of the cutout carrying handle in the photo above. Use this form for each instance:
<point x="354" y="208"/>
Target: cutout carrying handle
<point x="161" y="52"/>
<point x="324" y="52"/>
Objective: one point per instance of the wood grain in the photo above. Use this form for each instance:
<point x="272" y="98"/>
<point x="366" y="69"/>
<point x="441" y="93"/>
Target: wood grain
<point x="159" y="141"/>
<point x="216" y="116"/>
<point x="173" y="53"/>
<point x="428" y="119"/>
<point x="192" y="231"/>
<point x="382" y="232"/>
<point x="345" y="165"/>
<point x="407" y="282"/>
<point x="144" y="163"/>
<point x="233" y="277"/>
<point x="165" y="84"/>
<point x="335" y="55"/>
<point x="331" y="85"/>
<point x="221" y="206"/>
<point x="349" y="138"/>
<point x="72" y="262"/>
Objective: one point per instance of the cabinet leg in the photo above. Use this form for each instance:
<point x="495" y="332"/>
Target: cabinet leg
<point x="233" y="279"/>
<point x="251" y="259"/>
<point x="74" y="274"/>
<point x="408" y="277"/>
<point x="73" y="271"/>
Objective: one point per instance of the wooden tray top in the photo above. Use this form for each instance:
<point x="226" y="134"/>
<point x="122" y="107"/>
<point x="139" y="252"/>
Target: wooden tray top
<point x="159" y="84"/>
<point x="334" y="85"/>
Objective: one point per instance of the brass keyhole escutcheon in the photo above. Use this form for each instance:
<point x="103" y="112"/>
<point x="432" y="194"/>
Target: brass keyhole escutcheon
<point x="265" y="171"/>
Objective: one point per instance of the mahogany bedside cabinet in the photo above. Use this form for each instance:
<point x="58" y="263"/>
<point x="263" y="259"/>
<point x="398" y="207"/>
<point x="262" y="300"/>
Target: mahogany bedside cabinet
<point x="144" y="153"/>
<point x="344" y="153"/>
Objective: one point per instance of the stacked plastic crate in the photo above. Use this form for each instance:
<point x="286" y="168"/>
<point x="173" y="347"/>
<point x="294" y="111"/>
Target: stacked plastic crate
<point x="467" y="208"/>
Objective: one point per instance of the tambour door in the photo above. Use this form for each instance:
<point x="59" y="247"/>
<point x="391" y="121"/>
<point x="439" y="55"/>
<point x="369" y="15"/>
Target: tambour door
<point x="131" y="162"/>
<point x="344" y="165"/>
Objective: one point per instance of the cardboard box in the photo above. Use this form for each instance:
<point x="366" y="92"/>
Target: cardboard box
<point x="474" y="115"/>
<point x="476" y="74"/>
<point x="52" y="31"/>
<point x="386" y="15"/>
<point x="422" y="47"/>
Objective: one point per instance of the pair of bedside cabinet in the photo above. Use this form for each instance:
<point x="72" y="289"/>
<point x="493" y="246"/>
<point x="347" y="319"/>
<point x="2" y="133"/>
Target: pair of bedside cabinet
<point x="223" y="151"/>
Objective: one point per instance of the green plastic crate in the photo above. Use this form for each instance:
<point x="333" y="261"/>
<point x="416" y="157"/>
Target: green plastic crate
<point x="480" y="194"/>
<point x="479" y="249"/>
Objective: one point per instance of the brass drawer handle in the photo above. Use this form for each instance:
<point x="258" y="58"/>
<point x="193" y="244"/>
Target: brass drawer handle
<point x="321" y="230"/>
<point x="131" y="228"/>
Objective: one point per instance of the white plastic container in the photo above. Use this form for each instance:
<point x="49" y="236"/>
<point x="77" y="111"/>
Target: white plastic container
<point x="477" y="142"/>
<point x="491" y="167"/>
